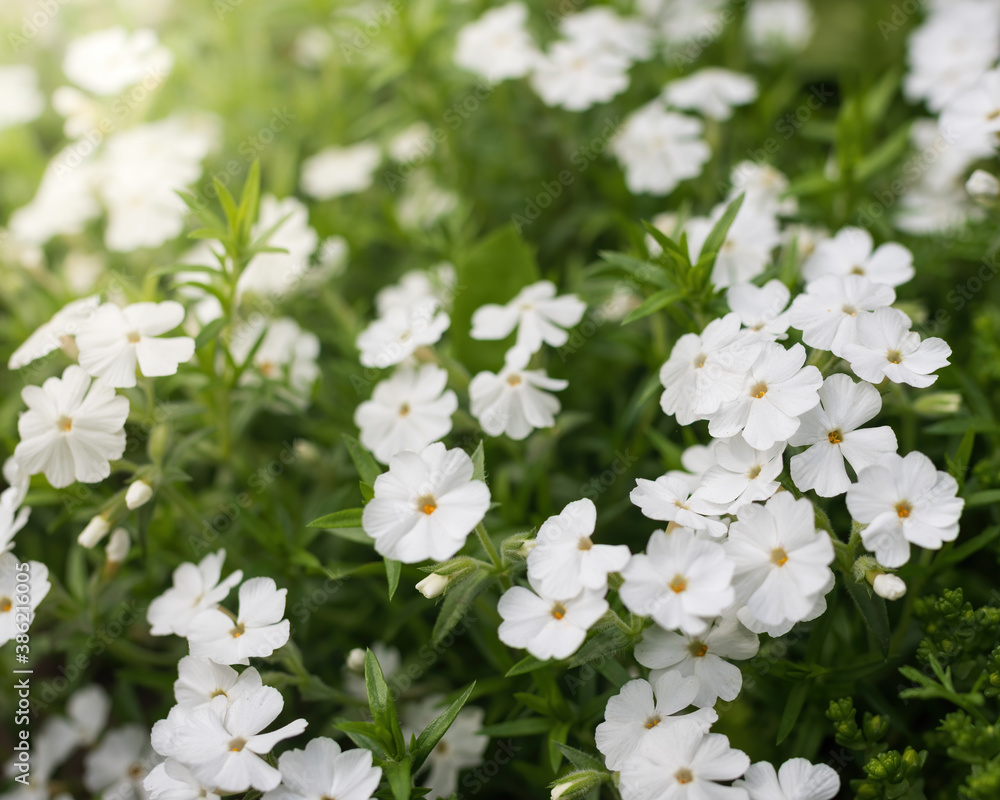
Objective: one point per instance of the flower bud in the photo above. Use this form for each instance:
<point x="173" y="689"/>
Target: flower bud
<point x="577" y="784"/>
<point x="891" y="587"/>
<point x="432" y="585"/>
<point x="118" y="546"/>
<point x="138" y="494"/>
<point x="96" y="530"/>
<point x="526" y="547"/>
<point x="356" y="660"/>
<point x="982" y="186"/>
<point x="937" y="404"/>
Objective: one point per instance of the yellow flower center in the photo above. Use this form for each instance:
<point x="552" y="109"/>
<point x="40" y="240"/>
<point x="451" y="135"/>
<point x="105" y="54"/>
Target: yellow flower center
<point x="237" y="744"/>
<point x="653" y="721"/>
<point x="64" y="423"/>
<point x="584" y="543"/>
<point x="894" y="357"/>
<point x="684" y="775"/>
<point x="835" y="437"/>
<point x="904" y="509"/>
<point x="134" y="337"/>
<point x="238" y="631"/>
<point x="5" y="605"/>
<point x="427" y="504"/>
<point x="857" y="269"/>
<point x="513" y="380"/>
<point x="779" y="556"/>
<point x="698" y="649"/>
<point x="699" y="360"/>
<point x="850" y="311"/>
<point x="558" y="610"/>
<point x="759" y="390"/>
<point x="754" y="471"/>
<point x="678" y="584"/>
<point x="404" y="409"/>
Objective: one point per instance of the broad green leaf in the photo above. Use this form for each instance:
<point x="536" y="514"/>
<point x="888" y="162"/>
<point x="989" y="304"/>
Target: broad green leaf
<point x="557" y="736"/>
<point x="348" y="518"/>
<point x="431" y="735"/>
<point x="606" y="643"/>
<point x="493" y="271"/>
<point x="352" y="535"/>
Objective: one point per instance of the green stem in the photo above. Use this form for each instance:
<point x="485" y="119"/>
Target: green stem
<point x="491" y="551"/>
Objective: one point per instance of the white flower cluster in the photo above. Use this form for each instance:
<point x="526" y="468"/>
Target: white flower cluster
<point x="952" y="59"/>
<point x="657" y="145"/>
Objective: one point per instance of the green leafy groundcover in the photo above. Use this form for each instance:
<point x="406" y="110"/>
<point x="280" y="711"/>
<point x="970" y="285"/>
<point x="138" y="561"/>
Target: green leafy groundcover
<point x="898" y="697"/>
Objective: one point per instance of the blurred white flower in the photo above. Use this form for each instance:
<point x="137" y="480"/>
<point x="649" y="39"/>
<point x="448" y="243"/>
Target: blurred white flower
<point x="397" y="334"/>
<point x="22" y="101"/>
<point x="407" y="411"/>
<point x="516" y="400"/>
<point x="105" y="62"/>
<point x="461" y="747"/>
<point x="658" y="149"/>
<point x="280" y="274"/>
<point x="57" y="332"/>
<point x="322" y="771"/>
<point x="286" y="357"/>
<point x="776" y="29"/>
<point x="797" y="779"/>
<point x="711" y="91"/>
<point x="538" y="315"/>
<point x="761" y="308"/>
<point x="602" y="28"/>
<point x="575" y="75"/>
<point x="982" y="185"/>
<point x="497" y="45"/>
<point x="337" y="171"/>
<point x="850" y="253"/>
<point x="746" y="251"/>
<point x="827" y="311"/>
<point x="11" y="613"/>
<point x="115" y="340"/>
<point x="119" y="764"/>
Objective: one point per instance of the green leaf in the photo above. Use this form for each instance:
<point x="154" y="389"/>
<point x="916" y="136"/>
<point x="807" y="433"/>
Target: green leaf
<point x="458" y="601"/>
<point x="525" y="665"/>
<point x="885" y="154"/>
<point x="210" y="332"/>
<point x="670" y="248"/>
<point x="580" y="759"/>
<point x="431" y="735"/>
<point x="717" y="237"/>
<point x="479" y="463"/>
<point x="398" y="775"/>
<point x="652" y="304"/>
<point x="392" y="571"/>
<point x="364" y="463"/>
<point x="793" y="707"/>
<point x="607" y="643"/>
<point x="382" y="706"/>
<point x="959" y="465"/>
<point x="493" y="271"/>
<point x="348" y="518"/>
<point x="226" y="199"/>
<point x="352" y="535"/>
<point x="986" y="498"/>
<point x="527" y="726"/>
<point x="873" y="610"/>
<point x="365" y="735"/>
<point x="249" y="201"/>
<point x="557" y="736"/>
